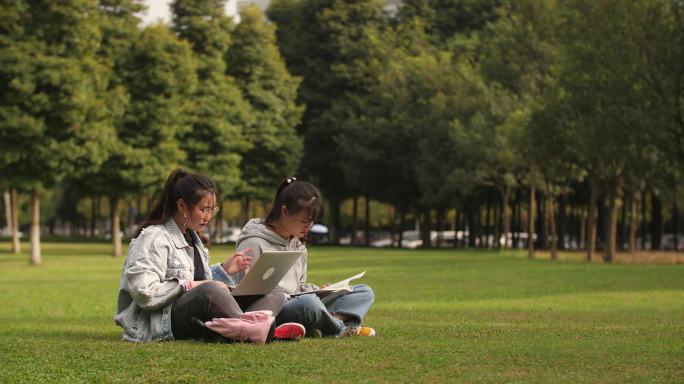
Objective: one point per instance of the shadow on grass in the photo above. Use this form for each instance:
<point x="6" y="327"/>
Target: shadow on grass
<point x="63" y="329"/>
<point x="66" y="335"/>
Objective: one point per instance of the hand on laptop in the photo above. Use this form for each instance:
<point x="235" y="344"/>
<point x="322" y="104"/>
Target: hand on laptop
<point x="239" y="261"/>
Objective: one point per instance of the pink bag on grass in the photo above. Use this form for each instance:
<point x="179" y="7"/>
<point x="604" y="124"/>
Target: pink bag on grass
<point x="251" y="326"/>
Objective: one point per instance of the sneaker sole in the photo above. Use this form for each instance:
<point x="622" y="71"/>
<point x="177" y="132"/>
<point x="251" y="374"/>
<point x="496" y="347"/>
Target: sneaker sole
<point x="289" y="331"/>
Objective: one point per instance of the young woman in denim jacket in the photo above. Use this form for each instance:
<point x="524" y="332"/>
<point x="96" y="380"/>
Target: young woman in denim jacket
<point x="297" y="205"/>
<point x="167" y="289"/>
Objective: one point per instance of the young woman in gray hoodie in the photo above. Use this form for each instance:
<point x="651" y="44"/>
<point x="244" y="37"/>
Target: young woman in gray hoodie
<point x="297" y="206"/>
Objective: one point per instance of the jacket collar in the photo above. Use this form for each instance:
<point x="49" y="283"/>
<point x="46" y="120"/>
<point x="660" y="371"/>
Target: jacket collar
<point x="176" y="234"/>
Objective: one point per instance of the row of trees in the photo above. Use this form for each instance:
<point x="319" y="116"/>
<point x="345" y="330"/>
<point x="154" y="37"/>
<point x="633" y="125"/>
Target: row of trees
<point x="448" y="100"/>
<point x="91" y="101"/>
<point x="556" y="109"/>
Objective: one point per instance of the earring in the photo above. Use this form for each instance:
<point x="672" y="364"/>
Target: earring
<point x="185" y="219"/>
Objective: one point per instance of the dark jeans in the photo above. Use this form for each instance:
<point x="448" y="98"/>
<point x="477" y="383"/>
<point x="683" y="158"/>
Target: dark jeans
<point x="211" y="300"/>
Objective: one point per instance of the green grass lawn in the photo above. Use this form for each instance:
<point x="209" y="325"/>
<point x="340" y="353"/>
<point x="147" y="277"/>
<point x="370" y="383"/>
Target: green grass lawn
<point x="442" y="315"/>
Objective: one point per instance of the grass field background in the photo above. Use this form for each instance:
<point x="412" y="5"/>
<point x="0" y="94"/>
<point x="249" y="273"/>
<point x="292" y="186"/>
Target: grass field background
<point x="441" y="315"/>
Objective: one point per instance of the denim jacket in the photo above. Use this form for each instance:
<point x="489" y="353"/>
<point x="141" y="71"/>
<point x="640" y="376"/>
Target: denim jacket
<point x="158" y="264"/>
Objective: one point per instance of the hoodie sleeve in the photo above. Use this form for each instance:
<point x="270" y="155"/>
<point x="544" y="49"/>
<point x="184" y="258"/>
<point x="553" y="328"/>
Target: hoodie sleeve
<point x="303" y="285"/>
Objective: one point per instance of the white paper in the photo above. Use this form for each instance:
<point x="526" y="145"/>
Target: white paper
<point x="344" y="283"/>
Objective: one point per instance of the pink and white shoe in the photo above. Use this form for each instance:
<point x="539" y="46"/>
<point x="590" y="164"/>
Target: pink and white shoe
<point x="289" y="331"/>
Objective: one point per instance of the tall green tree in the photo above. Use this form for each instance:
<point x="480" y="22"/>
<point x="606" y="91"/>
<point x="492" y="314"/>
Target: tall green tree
<point x="119" y="29"/>
<point x="603" y="75"/>
<point x="216" y="142"/>
<point x="53" y="120"/>
<point x="260" y="72"/>
<point x="519" y="56"/>
<point x="159" y="73"/>
<point x="332" y="45"/>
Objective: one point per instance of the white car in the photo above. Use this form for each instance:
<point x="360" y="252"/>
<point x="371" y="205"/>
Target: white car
<point x="230" y="235"/>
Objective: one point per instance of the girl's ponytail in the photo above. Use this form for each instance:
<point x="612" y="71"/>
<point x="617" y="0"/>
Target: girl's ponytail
<point x="180" y="184"/>
<point x="166" y="201"/>
<point x="296" y="196"/>
<point x="284" y="184"/>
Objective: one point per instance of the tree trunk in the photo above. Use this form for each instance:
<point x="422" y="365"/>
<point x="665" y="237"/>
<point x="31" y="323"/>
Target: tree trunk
<point x="93" y="215"/>
<point x="16" y="245"/>
<point x="366" y="225"/>
<point x="530" y="223"/>
<point x="561" y="222"/>
<point x="335" y="218"/>
<point x="505" y="196"/>
<point x="632" y="221"/>
<point x="572" y="225"/>
<point x="35" y="229"/>
<point x="656" y="222"/>
<point x="439" y="228"/>
<point x="611" y="232"/>
<point x="675" y="219"/>
<point x="402" y="221"/>
<point x="550" y="207"/>
<point x="643" y="219"/>
<point x="425" y="229"/>
<point x="8" y="211"/>
<point x="496" y="238"/>
<point x="591" y="221"/>
<point x="519" y="225"/>
<point x="393" y="226"/>
<point x="244" y="210"/>
<point x="544" y="229"/>
<point x="515" y="222"/>
<point x="355" y="219"/>
<point x="116" y="226"/>
<point x="472" y="232"/>
<point x="602" y="225"/>
<point x="583" y="229"/>
<point x="487" y="228"/>
<point x="130" y="216"/>
<point x="456" y="221"/>
<point x="101" y="224"/>
<point x="464" y="225"/>
<point x="623" y="222"/>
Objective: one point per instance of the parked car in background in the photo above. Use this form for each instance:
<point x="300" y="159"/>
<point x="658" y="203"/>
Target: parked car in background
<point x="229" y="235"/>
<point x="318" y="234"/>
<point x="5" y="232"/>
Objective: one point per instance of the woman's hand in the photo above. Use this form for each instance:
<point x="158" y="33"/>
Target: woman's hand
<point x="239" y="261"/>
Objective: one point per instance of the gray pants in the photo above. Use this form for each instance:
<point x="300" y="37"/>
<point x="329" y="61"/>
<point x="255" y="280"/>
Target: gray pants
<point x="213" y="299"/>
<point x="309" y="311"/>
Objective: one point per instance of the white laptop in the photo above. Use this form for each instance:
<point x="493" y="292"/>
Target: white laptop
<point x="266" y="273"/>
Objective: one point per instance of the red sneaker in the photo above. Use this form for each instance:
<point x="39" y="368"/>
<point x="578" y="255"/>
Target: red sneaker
<point x="289" y="331"/>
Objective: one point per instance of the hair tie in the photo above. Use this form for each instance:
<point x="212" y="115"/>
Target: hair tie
<point x="291" y="180"/>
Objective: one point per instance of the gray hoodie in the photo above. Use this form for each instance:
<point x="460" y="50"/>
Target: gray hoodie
<point x="260" y="238"/>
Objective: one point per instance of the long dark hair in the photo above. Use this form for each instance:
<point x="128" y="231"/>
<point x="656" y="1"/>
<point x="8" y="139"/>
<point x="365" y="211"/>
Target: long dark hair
<point x="191" y="187"/>
<point x="296" y="196"/>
